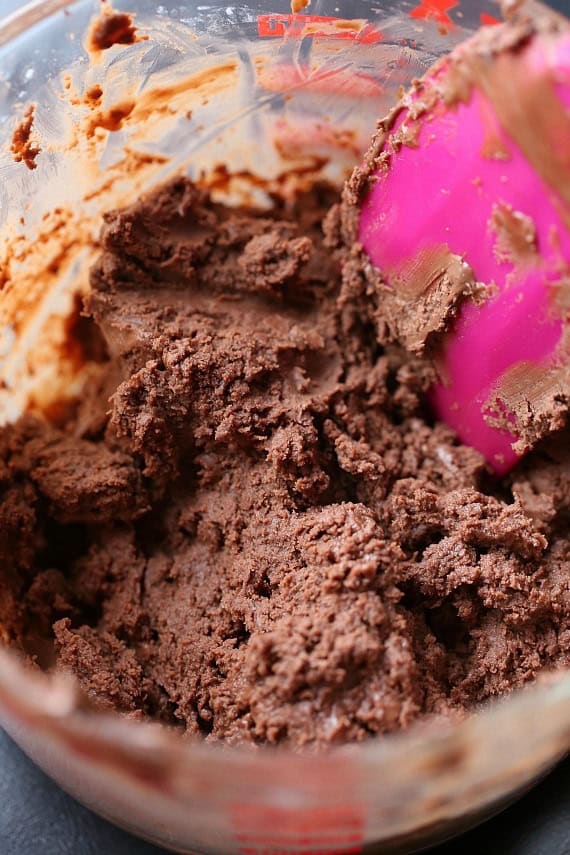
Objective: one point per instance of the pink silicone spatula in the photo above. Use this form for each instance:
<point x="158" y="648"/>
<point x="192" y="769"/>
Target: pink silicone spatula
<point x="476" y="164"/>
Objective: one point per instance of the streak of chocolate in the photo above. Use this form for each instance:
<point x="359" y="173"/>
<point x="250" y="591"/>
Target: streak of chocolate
<point x="516" y="240"/>
<point x="514" y="98"/>
<point x="112" y="28"/>
<point x="23" y="149"/>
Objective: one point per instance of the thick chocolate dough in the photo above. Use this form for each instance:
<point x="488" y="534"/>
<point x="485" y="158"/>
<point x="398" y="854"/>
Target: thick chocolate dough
<point x="266" y="539"/>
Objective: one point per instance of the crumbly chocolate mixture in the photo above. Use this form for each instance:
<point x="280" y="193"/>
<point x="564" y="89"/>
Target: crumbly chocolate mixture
<point x="251" y="529"/>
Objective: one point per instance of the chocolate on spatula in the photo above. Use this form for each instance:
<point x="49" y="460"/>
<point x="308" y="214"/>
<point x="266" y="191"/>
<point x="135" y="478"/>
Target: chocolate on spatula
<point x="463" y="208"/>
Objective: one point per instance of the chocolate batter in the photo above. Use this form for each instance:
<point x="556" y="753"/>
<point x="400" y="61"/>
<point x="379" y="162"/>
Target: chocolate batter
<point x="251" y="529"/>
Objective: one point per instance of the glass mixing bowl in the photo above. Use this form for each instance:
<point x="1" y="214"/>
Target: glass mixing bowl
<point x="251" y="101"/>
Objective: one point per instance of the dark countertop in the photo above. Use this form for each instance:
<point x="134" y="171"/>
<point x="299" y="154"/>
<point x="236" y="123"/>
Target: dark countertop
<point x="37" y="818"/>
